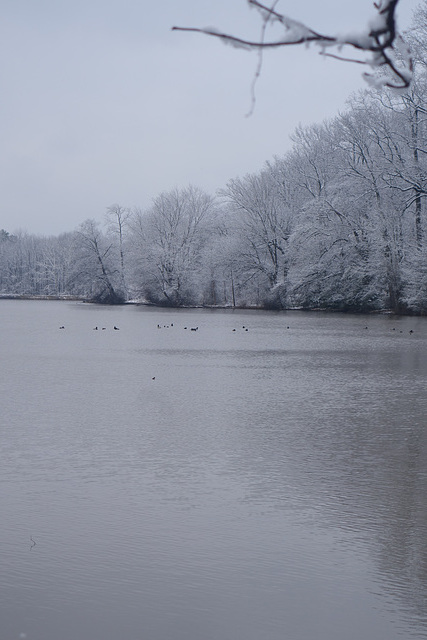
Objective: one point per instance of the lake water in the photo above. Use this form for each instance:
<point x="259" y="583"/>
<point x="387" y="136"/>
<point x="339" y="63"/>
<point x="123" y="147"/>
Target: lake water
<point x="268" y="484"/>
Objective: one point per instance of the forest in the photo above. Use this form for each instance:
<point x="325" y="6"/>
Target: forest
<point x="338" y="222"/>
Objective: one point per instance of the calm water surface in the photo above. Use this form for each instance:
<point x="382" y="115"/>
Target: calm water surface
<point x="268" y="484"/>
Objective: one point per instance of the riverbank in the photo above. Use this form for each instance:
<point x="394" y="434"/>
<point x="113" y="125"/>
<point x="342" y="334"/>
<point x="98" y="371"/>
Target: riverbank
<point x="140" y="302"/>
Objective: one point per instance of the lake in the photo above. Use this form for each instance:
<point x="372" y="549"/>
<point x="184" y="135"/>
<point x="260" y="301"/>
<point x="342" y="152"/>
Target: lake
<point x="261" y="478"/>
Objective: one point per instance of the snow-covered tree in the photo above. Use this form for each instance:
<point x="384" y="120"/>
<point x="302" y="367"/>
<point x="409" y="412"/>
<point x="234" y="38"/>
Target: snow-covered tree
<point x="117" y="218"/>
<point x="170" y="237"/>
<point x="262" y="222"/>
<point x="96" y="274"/>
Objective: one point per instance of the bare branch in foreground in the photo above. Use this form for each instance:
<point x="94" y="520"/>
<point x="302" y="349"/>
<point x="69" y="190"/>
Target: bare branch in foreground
<point x="380" y="39"/>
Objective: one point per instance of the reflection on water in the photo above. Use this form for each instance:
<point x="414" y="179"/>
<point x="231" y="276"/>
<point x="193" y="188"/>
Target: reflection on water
<point x="168" y="484"/>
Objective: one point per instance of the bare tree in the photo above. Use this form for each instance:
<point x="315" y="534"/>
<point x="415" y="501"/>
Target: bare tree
<point x="117" y="219"/>
<point x="171" y="236"/>
<point x="386" y="48"/>
<point x="94" y="267"/>
<point x="263" y="226"/>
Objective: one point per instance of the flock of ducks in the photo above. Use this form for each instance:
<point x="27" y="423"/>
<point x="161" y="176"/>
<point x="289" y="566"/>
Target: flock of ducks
<point x="244" y="328"/>
<point x="96" y="328"/>
<point x="167" y="326"/>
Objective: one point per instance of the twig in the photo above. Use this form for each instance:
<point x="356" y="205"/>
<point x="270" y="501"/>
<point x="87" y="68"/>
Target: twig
<point x="380" y="40"/>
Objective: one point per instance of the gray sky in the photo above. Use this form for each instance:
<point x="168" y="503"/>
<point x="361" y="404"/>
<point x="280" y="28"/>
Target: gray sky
<point x="102" y="103"/>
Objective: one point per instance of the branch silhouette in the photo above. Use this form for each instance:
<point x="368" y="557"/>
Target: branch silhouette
<point x="380" y="39"/>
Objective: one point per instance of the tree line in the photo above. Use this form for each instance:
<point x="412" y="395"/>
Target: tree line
<point x="338" y="222"/>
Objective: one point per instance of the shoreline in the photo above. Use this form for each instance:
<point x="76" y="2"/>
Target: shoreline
<point x="135" y="302"/>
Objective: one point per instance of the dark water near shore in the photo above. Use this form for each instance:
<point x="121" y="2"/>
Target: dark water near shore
<point x="268" y="484"/>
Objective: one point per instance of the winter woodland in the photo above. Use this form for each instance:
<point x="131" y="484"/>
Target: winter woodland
<point x="338" y="222"/>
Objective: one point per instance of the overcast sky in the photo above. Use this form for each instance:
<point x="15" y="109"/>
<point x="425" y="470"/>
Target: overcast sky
<point x="102" y="103"/>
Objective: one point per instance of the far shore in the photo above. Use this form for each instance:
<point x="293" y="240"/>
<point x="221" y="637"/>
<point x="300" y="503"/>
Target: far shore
<point x="137" y="302"/>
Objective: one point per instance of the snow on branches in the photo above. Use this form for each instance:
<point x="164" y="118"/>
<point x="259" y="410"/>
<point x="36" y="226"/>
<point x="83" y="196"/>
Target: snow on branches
<point x="380" y="39"/>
